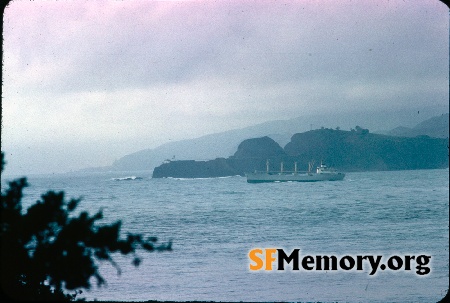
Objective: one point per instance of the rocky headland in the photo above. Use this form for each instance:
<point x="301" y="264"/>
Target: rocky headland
<point x="354" y="150"/>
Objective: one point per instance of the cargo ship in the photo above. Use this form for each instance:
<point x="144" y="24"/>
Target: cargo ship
<point x="322" y="173"/>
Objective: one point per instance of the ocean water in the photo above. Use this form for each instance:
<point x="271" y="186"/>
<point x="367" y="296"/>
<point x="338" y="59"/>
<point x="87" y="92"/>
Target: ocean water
<point x="214" y="223"/>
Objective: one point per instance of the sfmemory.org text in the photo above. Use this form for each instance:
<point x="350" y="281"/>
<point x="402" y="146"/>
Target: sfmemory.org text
<point x="277" y="258"/>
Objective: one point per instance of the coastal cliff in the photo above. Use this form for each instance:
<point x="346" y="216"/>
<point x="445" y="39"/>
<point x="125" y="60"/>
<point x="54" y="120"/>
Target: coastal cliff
<point x="355" y="150"/>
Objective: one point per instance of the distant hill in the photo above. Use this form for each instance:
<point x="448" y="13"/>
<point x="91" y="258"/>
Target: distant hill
<point x="203" y="148"/>
<point x="224" y="144"/>
<point x="355" y="150"/>
<point x="264" y="147"/>
<point x="437" y="127"/>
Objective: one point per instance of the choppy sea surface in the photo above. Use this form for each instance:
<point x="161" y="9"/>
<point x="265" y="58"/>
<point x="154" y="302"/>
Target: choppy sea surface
<point x="214" y="223"/>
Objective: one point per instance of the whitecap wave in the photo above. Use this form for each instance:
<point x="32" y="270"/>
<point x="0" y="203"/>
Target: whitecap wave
<point x="130" y="178"/>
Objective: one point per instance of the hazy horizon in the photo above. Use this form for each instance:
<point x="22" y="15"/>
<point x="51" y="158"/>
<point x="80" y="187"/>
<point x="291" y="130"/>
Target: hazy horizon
<point x="87" y="82"/>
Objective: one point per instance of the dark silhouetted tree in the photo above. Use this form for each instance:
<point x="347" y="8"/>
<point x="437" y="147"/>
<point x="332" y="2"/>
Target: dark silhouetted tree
<point x="47" y="253"/>
<point x="361" y="130"/>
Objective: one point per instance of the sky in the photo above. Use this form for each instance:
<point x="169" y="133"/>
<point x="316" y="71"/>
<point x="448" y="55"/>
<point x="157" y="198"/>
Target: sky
<point x="87" y="82"/>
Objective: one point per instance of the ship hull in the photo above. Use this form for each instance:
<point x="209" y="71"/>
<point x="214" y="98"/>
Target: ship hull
<point x="283" y="177"/>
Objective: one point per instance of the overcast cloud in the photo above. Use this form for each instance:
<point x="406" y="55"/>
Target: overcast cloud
<point x="85" y="82"/>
